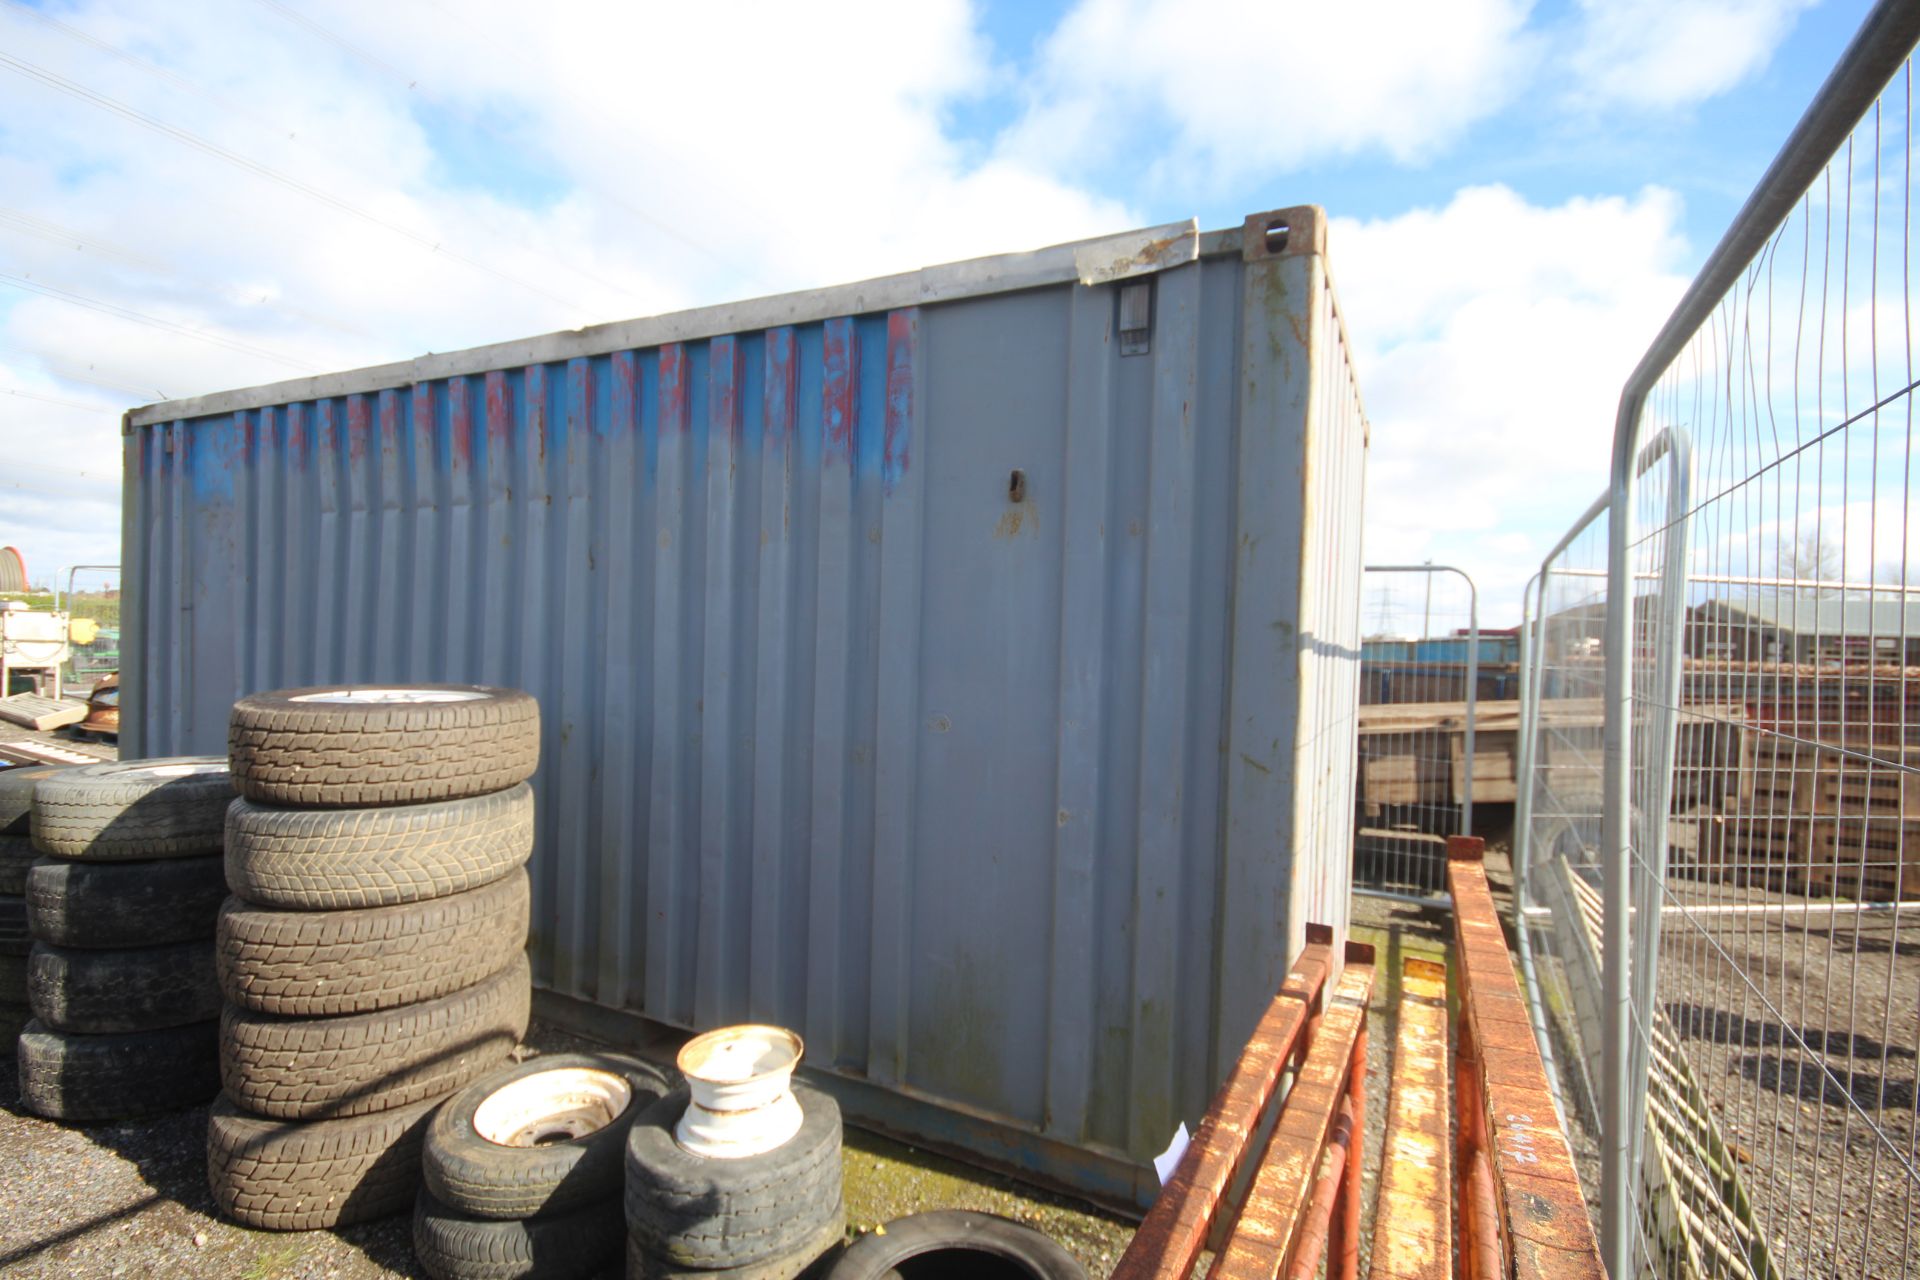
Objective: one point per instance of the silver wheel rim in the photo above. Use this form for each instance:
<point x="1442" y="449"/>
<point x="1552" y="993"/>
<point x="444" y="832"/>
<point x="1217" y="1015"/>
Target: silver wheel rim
<point x="389" y="697"/>
<point x="548" y="1107"/>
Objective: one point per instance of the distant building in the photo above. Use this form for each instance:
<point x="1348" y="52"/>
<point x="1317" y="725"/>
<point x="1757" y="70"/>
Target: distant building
<point x="1800" y="628"/>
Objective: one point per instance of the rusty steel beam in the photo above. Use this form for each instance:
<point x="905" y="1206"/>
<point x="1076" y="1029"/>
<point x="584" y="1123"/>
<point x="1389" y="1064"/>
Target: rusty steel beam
<point x="1267" y="1233"/>
<point x="1415" y="1240"/>
<point x="1345" y="1264"/>
<point x="1320" y="1228"/>
<point x="1542" y="1216"/>
<point x="1171" y="1238"/>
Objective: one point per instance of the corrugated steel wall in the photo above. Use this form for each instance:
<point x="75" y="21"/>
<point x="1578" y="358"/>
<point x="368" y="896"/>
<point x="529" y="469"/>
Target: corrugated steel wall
<point x="941" y="682"/>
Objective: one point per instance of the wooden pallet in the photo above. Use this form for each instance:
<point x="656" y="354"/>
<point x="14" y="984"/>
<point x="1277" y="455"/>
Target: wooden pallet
<point x="1769" y="851"/>
<point x="1779" y="775"/>
<point x="1870" y="790"/>
<point x="1869" y="859"/>
<point x="31" y="711"/>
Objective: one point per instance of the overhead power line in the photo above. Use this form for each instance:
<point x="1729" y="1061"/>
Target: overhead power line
<point x="65" y="404"/>
<point x="416" y="86"/>
<point x="188" y="138"/>
<point x="250" y="112"/>
<point x="31" y="285"/>
<point x="57" y="233"/>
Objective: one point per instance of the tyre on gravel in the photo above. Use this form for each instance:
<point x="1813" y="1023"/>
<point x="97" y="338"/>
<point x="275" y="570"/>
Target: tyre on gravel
<point x="16" y="801"/>
<point x="133" y="809"/>
<point x="17" y="856"/>
<point x="957" y="1242"/>
<point x="306" y="1177"/>
<point x="345" y="859"/>
<point x="803" y="1259"/>
<point x="692" y="1211"/>
<point x="358" y="747"/>
<point x="327" y="1068"/>
<point x="125" y="904"/>
<point x="324" y="963"/>
<point x="117" y="1077"/>
<point x="133" y="989"/>
<point x="451" y="1245"/>
<point x="543" y="1136"/>
<point x="15" y="935"/>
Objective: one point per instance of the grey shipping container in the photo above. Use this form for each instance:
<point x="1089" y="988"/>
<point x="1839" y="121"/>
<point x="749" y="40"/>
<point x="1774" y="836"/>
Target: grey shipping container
<point x="958" y="667"/>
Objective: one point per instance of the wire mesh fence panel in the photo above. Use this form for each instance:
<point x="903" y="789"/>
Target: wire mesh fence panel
<point x="91" y="600"/>
<point x="1788" y="966"/>
<point x="1720" y="890"/>
<point x="1427" y="749"/>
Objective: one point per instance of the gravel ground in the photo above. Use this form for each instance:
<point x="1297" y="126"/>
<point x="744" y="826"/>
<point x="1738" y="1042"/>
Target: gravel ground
<point x="131" y="1200"/>
<point x="1802" y="1033"/>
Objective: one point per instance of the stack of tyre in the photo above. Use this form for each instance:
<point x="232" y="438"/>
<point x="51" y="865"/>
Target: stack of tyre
<point x="372" y="954"/>
<point x="766" y="1216"/>
<point x="523" y="1170"/>
<point x="16" y="855"/>
<point x="122" y="910"/>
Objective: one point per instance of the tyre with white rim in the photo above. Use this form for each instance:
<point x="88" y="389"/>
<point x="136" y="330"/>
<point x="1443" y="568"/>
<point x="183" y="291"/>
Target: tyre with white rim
<point x="705" y="1213"/>
<point x="543" y="1136"/>
<point x="361" y="746"/>
<point x="133" y="809"/>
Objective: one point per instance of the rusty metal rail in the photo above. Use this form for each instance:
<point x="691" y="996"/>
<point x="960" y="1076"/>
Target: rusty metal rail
<point x="1416" y="1182"/>
<point x="1522" y="1211"/>
<point x="1303" y="1203"/>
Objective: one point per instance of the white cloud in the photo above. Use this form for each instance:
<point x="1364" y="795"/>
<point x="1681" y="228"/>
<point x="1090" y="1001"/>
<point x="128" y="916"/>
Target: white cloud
<point x="1661" y="54"/>
<point x="560" y="171"/>
<point x="1251" y="87"/>
<point x="1493" y="336"/>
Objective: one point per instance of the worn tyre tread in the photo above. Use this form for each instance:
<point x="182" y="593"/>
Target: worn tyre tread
<point x="332" y="755"/>
<point x="122" y="811"/>
<point x="326" y="963"/>
<point x="125" y="904"/>
<point x="16" y="800"/>
<point x="117" y="1077"/>
<point x="281" y="1176"/>
<point x="472" y="1176"/>
<point x="113" y="992"/>
<point x="451" y="1245"/>
<point x="328" y="1068"/>
<point x="338" y="860"/>
<point x="801" y="1259"/>
<point x="702" y="1213"/>
<point x="16" y="857"/>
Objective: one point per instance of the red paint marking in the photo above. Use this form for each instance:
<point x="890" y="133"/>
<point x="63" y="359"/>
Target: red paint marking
<point x="840" y="391"/>
<point x="626" y="393"/>
<point x="359" y="427"/>
<point x="499" y="417"/>
<point x="460" y="421"/>
<point x="537" y="410"/>
<point x="723" y="383"/>
<point x="297" y="435"/>
<point x="673" y="389"/>
<point x="781" y="383"/>
<point x="903" y="343"/>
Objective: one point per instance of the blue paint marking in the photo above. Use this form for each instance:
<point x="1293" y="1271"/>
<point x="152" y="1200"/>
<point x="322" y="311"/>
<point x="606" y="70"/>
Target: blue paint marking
<point x="212" y="447"/>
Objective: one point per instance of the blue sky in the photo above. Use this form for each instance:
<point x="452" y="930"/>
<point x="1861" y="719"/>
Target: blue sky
<point x="1519" y="194"/>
